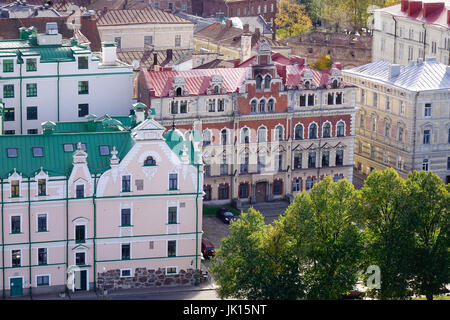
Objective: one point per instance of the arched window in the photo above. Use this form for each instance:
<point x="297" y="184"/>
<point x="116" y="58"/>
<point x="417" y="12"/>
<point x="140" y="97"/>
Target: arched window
<point x="335" y="84"/>
<point x="223" y="136"/>
<point x="206" y="138"/>
<point x="267" y="81"/>
<point x="340" y="132"/>
<point x="270" y="105"/>
<point x="259" y="80"/>
<point x="149" y="161"/>
<point x="326" y="130"/>
<point x="262" y="106"/>
<point x="298" y="134"/>
<point x="307" y="84"/>
<point x="312" y="131"/>
<point x="179" y="92"/>
<point x="245" y="135"/>
<point x="262" y="134"/>
<point x="216" y="89"/>
<point x="279" y="133"/>
<point x="253" y="105"/>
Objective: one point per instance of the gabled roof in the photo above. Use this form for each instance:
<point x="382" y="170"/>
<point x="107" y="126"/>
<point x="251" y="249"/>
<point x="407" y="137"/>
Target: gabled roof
<point x="148" y="15"/>
<point x="418" y="76"/>
<point x="196" y="81"/>
<point x="146" y="58"/>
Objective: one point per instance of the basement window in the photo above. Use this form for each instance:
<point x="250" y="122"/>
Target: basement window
<point x="125" y="273"/>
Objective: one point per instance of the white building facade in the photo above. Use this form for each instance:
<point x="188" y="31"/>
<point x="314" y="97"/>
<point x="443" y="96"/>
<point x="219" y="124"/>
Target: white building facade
<point x="403" y="119"/>
<point x="45" y="78"/>
<point x="412" y="30"/>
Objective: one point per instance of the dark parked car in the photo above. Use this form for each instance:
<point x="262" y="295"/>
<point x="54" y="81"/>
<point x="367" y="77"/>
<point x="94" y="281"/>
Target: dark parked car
<point x="225" y="215"/>
<point x="207" y="249"/>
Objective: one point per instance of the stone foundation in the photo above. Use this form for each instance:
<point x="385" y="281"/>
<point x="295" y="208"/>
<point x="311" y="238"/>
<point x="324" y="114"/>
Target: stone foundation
<point x="144" y="278"/>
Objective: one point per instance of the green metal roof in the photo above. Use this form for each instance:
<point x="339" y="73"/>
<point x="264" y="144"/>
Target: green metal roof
<point x="55" y="160"/>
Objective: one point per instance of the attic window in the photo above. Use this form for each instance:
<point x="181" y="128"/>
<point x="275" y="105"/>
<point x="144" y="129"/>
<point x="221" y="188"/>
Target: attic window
<point x="149" y="162"/>
<point x="179" y="92"/>
<point x="38" y="152"/>
<point x="68" y="147"/>
<point x="104" y="150"/>
<point x="12" y="152"/>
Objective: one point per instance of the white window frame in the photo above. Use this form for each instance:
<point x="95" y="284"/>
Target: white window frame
<point x="75" y="256"/>
<point x="10" y="222"/>
<point x="131" y="182"/>
<point x="168" y="181"/>
<point x="131" y="250"/>
<point x="44" y="275"/>
<point x="75" y="225"/>
<point x="126" y="206"/>
<point x="345" y="127"/>
<point x="37" y="221"/>
<point x="126" y="269"/>
<point x="167" y="248"/>
<point x="21" y="257"/>
<point x="37" y="256"/>
<point x="176" y="270"/>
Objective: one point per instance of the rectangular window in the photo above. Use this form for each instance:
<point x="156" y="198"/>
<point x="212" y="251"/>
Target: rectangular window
<point x="42" y="187"/>
<point x="302" y="100"/>
<point x="125" y="218"/>
<point x="223" y="169"/>
<point x="312" y="160"/>
<point x="8" y="91"/>
<point x="339" y="157"/>
<point x="31" y="89"/>
<point x="171" y="248"/>
<point x="83" y="87"/>
<point x="427" y="109"/>
<point x="330" y="98"/>
<point x="277" y="187"/>
<point x="126" y="251"/>
<point x="221" y="105"/>
<point x="15" y="189"/>
<point x="118" y="41"/>
<point x="104" y="150"/>
<point x="10" y="132"/>
<point x="325" y="158"/>
<point x="8" y="65"/>
<point x="400" y="134"/>
<point x="173" y="181"/>
<point x="12" y="152"/>
<point x="448" y="163"/>
<point x="172" y="215"/>
<point x="126" y="183"/>
<point x="183" y="107"/>
<point x="297" y="185"/>
<point x="16" y="224"/>
<point x="42" y="256"/>
<point x="31" y="64"/>
<point x="311" y="100"/>
<point x="80" y="258"/>
<point x="243" y="190"/>
<point x="42" y="222"/>
<point x="38" y="152"/>
<point x="426" y="136"/>
<point x="16" y="256"/>
<point x="68" y="147"/>
<point x="80" y="234"/>
<point x="177" y="40"/>
<point x="32" y="113"/>
<point x="339" y="98"/>
<point x="171" y="270"/>
<point x="83" y="110"/>
<point x="375" y="99"/>
<point x="148" y="40"/>
<point x="297" y="160"/>
<point x="125" y="273"/>
<point x="212" y="105"/>
<point x="80" y="191"/>
<point x="32" y="131"/>
<point x="83" y="63"/>
<point x="43" y="280"/>
<point x="8" y="114"/>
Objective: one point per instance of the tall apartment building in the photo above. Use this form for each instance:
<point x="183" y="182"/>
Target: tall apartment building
<point x="412" y="30"/>
<point x="403" y="119"/>
<point x="46" y="78"/>
<point x="271" y="127"/>
<point x="97" y="205"/>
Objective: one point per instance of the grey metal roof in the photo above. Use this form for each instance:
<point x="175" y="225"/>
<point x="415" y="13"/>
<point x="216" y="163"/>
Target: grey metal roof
<point x="417" y="76"/>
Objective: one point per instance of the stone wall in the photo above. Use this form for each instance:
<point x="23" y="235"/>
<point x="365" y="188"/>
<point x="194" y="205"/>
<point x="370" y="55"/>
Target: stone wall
<point x="144" y="278"/>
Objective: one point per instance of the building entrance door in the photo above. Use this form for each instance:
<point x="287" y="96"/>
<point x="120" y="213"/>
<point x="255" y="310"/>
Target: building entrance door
<point x="81" y="280"/>
<point x="15" y="285"/>
<point x="261" y="188"/>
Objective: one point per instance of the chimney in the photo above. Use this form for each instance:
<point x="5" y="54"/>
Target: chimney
<point x="109" y="53"/>
<point x="414" y="7"/>
<point x="257" y="34"/>
<point x="246" y="28"/>
<point x="139" y="111"/>
<point x="394" y="71"/>
<point x="405" y="5"/>
<point x="246" y="46"/>
<point x="229" y="24"/>
<point x="430" y="8"/>
<point x="169" y="54"/>
<point x="155" y="59"/>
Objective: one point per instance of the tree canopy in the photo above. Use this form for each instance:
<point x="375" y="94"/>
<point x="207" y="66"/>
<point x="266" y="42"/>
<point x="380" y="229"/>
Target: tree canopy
<point x="291" y="19"/>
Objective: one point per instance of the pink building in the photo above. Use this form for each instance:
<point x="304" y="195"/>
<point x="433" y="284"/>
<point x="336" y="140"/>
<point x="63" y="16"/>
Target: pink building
<point x="97" y="205"/>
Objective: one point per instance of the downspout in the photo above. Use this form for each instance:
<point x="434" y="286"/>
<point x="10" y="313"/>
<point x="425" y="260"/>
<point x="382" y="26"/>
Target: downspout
<point x="20" y="94"/>
<point x="424" y="40"/>
<point x="57" y="90"/>
<point x="3" y="242"/>
<point x="196" y="225"/>
<point x="95" y="228"/>
<point x="29" y="238"/>
<point x="395" y="38"/>
<point x="413" y="166"/>
<point x="67" y="230"/>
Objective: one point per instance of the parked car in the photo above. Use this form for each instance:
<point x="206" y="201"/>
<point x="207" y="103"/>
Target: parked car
<point x="207" y="249"/>
<point x="225" y="215"/>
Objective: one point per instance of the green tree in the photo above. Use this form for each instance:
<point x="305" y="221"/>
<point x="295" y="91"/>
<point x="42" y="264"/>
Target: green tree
<point x="323" y="225"/>
<point x="388" y="232"/>
<point x="428" y="205"/>
<point x="323" y="62"/>
<point x="291" y="19"/>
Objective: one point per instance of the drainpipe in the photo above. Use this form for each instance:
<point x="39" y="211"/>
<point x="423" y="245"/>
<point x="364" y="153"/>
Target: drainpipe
<point x="95" y="228"/>
<point x="21" y="119"/>
<point x="196" y="225"/>
<point x="395" y="38"/>
<point x="3" y="242"/>
<point x="29" y="238"/>
<point x="414" y="132"/>
<point x="57" y="90"/>
<point x="320" y="132"/>
<point x="67" y="230"/>
<point x="424" y="40"/>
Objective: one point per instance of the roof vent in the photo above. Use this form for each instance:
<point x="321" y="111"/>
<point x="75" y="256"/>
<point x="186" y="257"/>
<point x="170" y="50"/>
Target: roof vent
<point x="394" y="70"/>
<point x="51" y="28"/>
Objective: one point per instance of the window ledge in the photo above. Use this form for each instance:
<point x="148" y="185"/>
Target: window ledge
<point x="41" y="231"/>
<point x="126" y="226"/>
<point x="16" y="233"/>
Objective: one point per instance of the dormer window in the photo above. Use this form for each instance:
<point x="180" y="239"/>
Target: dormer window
<point x="216" y="89"/>
<point x="335" y="84"/>
<point x="179" y="92"/>
<point x="15" y="189"/>
<point x="149" y="162"/>
<point x="307" y="84"/>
